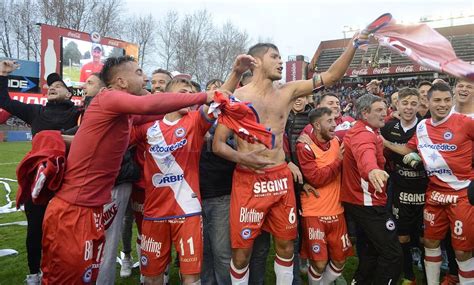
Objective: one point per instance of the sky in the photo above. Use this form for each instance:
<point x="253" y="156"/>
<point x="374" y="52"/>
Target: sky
<point x="298" y="26"/>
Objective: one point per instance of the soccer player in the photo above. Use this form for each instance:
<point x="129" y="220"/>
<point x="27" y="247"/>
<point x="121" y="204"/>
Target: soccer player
<point x="172" y="209"/>
<point x="445" y="145"/>
<point x="464" y="94"/>
<point x="324" y="227"/>
<point x="364" y="197"/>
<point x="73" y="230"/>
<point x="265" y="199"/>
<point x="423" y="109"/>
<point x="93" y="66"/>
<point x="408" y="182"/>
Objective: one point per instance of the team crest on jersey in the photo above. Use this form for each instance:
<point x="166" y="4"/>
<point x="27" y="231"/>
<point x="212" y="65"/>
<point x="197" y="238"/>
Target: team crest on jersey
<point x="448" y="135"/>
<point x="316" y="248"/>
<point x="246" y="233"/>
<point x="144" y="260"/>
<point x="180" y="132"/>
<point x="87" y="276"/>
<point x="390" y="225"/>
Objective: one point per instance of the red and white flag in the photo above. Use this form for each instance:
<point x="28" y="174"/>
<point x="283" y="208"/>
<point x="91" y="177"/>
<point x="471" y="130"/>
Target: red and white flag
<point x="425" y="46"/>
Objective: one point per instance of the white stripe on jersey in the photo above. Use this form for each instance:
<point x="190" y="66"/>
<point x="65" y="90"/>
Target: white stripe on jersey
<point x="365" y="190"/>
<point x="166" y="162"/>
<point x="439" y="163"/>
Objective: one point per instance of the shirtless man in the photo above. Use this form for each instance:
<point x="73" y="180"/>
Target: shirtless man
<point x="262" y="196"/>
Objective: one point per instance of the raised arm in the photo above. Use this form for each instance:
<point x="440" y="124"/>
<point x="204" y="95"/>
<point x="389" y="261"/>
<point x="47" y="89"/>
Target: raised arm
<point x="328" y="78"/>
<point x="241" y="64"/>
<point x="24" y="111"/>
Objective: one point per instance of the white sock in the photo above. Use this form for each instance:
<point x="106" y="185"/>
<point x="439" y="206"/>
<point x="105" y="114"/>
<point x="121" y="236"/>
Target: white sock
<point x="283" y="270"/>
<point x="466" y="271"/>
<point x="314" y="278"/>
<point x="331" y="273"/>
<point x="239" y="276"/>
<point x="433" y="265"/>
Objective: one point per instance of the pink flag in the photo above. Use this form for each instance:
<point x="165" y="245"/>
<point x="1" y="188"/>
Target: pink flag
<point x="425" y="46"/>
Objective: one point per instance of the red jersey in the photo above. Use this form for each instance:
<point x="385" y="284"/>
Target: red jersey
<point x="363" y="153"/>
<point x="89" y="68"/>
<point x="343" y="124"/>
<point x="98" y="147"/>
<point x="446" y="150"/>
<point x="172" y="166"/>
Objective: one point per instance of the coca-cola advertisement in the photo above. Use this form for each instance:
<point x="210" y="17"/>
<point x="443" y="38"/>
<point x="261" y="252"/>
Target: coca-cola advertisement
<point x="386" y="70"/>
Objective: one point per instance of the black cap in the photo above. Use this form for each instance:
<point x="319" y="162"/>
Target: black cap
<point x="470" y="192"/>
<point x="54" y="77"/>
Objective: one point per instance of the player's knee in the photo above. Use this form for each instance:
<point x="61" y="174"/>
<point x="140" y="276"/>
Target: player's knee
<point x="241" y="258"/>
<point x="193" y="279"/>
<point x="404" y="239"/>
<point x="154" y="280"/>
<point x="430" y="243"/>
<point x="319" y="265"/>
<point x="462" y="255"/>
<point x="284" y="249"/>
<point x="339" y="264"/>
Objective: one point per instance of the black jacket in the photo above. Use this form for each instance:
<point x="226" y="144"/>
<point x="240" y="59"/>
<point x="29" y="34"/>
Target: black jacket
<point x="53" y="116"/>
<point x="294" y="126"/>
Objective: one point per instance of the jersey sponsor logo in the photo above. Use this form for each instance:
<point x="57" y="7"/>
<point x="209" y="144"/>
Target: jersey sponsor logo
<point x="160" y="179"/>
<point x="87" y="276"/>
<point x="448" y="135"/>
<point x="110" y="211"/>
<point x="431" y="172"/>
<point x="390" y="225"/>
<point x="429" y="217"/>
<point x="411" y="173"/>
<point x="315" y="234"/>
<point x="180" y="132"/>
<point x="443" y="198"/>
<point x="143" y="260"/>
<point x="316" y="248"/>
<point x="411" y="198"/>
<point x="250" y="216"/>
<point x="439" y="146"/>
<point x="148" y="244"/>
<point x="168" y="148"/>
<point x="277" y="186"/>
<point x="246" y="233"/>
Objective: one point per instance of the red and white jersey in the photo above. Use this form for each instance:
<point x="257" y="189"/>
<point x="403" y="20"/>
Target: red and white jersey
<point x="172" y="166"/>
<point x="446" y="150"/>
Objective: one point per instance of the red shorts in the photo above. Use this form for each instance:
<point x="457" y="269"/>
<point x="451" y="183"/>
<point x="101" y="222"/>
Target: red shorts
<point x="449" y="209"/>
<point x="325" y="238"/>
<point x="262" y="201"/>
<point x="73" y="243"/>
<point x="157" y="236"/>
<point x="137" y="200"/>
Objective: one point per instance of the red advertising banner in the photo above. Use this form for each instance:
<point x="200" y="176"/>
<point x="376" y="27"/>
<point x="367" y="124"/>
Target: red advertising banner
<point x="296" y="70"/>
<point x="386" y="70"/>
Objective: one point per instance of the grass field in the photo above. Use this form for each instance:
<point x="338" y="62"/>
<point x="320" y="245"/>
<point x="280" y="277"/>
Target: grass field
<point x="13" y="269"/>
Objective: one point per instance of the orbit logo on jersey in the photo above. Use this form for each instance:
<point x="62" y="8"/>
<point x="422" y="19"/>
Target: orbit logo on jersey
<point x="144" y="260"/>
<point x="180" y="132"/>
<point x="316" y="248"/>
<point x="160" y="179"/>
<point x="390" y="225"/>
<point x="246" y="233"/>
<point x="87" y="276"/>
<point x="448" y="135"/>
